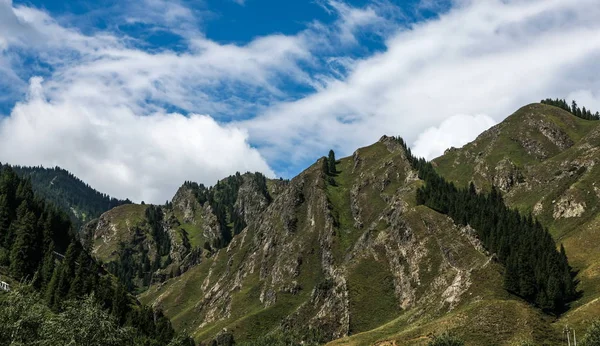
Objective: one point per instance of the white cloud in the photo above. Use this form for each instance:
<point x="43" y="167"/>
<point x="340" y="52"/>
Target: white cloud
<point x="454" y="131"/>
<point x="170" y="15"/>
<point x="482" y="57"/>
<point x="102" y="110"/>
<point x="117" y="151"/>
<point x="376" y="17"/>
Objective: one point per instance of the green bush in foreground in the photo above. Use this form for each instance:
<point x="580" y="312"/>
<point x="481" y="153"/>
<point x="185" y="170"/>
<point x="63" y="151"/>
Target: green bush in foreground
<point x="592" y="336"/>
<point x="26" y="320"/>
<point x="445" y="339"/>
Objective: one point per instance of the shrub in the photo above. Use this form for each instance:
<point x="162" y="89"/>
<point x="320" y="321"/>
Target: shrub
<point x="592" y="336"/>
<point x="445" y="339"/>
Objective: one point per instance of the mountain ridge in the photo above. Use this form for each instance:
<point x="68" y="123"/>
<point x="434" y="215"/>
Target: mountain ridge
<point x="350" y="255"/>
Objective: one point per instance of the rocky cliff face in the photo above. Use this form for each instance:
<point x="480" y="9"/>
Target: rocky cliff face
<point x="332" y="256"/>
<point x="176" y="237"/>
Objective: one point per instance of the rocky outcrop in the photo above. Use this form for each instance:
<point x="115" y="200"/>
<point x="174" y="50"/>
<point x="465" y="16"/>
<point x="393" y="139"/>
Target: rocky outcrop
<point x="568" y="207"/>
<point x="251" y="200"/>
<point x="186" y="203"/>
<point x="553" y="133"/>
<point x="506" y="175"/>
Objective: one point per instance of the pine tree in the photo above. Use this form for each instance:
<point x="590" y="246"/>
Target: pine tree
<point x="66" y="274"/>
<point x="78" y="288"/>
<point x="23" y="256"/>
<point x="534" y="268"/>
<point x="4" y="219"/>
<point x="50" y="291"/>
<point x="331" y="162"/>
<point x="119" y="304"/>
<point x="48" y="264"/>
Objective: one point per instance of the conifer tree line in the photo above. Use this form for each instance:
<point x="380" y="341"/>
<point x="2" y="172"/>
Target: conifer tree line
<point x="534" y="269"/>
<point x="67" y="192"/>
<point x="574" y="109"/>
<point x="38" y="245"/>
<point x="222" y="197"/>
<point x="154" y="216"/>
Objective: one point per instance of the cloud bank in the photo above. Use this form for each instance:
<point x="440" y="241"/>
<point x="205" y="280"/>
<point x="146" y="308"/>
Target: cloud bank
<point x="136" y="122"/>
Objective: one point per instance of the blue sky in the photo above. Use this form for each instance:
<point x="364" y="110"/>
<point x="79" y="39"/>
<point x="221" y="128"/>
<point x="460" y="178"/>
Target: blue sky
<point x="137" y="97"/>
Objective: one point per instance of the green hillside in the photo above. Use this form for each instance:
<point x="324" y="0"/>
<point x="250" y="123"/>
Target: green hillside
<point x="559" y="188"/>
<point x="58" y="293"/>
<point x="74" y="197"/>
<point x="144" y="244"/>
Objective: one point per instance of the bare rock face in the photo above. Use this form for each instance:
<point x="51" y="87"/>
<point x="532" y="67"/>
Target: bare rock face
<point x="506" y="175"/>
<point x="185" y="202"/>
<point x="533" y="147"/>
<point x="538" y="208"/>
<point x="568" y="207"/>
<point x="554" y="134"/>
<point x="251" y="201"/>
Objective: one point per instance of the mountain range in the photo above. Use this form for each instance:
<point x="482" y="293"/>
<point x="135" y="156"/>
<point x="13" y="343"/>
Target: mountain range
<point x="375" y="248"/>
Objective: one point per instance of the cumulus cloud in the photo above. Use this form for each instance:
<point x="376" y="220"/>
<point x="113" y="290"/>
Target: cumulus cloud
<point x="128" y="155"/>
<point x="455" y="131"/>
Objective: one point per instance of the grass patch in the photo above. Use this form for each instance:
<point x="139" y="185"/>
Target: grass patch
<point x="371" y="294"/>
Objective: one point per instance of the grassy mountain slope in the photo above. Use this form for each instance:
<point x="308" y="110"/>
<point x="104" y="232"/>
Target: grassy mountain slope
<point x="503" y="153"/>
<point x="351" y="255"/>
<point x="559" y="187"/>
<point x="74" y="197"/>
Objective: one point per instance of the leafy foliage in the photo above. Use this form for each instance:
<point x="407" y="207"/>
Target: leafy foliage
<point x="573" y="109"/>
<point x="445" y="339"/>
<point x="592" y="336"/>
<point x="36" y="235"/>
<point x="26" y="320"/>
<point x="534" y="269"/>
<point x="67" y="192"/>
<point x="308" y="337"/>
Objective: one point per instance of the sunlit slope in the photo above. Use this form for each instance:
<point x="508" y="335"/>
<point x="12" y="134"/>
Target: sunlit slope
<point x="561" y="187"/>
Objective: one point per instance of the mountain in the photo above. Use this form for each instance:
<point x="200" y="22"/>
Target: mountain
<point x="77" y="199"/>
<point x="554" y="176"/>
<point x="380" y="248"/>
<point x="142" y="244"/>
<point x="58" y="293"/>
